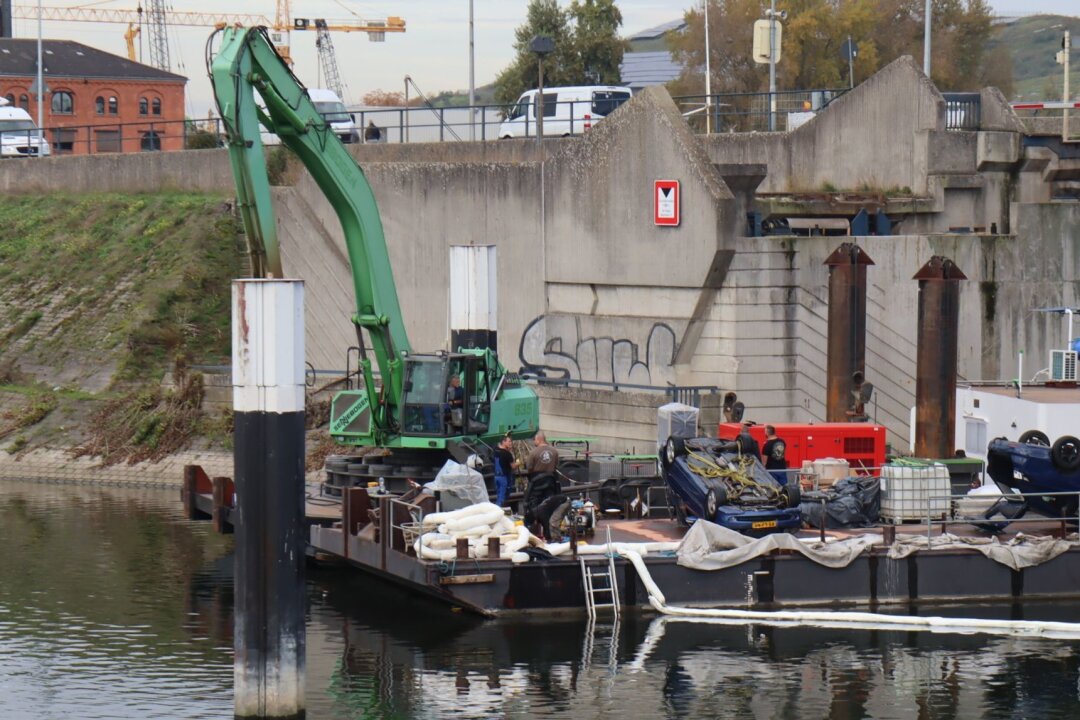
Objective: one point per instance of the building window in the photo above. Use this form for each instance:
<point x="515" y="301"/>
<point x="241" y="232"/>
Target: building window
<point x="24" y="102"/>
<point x="155" y="106"/>
<point x="99" y="105"/>
<point x="151" y="141"/>
<point x="63" y="141"/>
<point x="63" y="103"/>
<point x="114" y="105"/>
<point x="11" y="99"/>
<point x="106" y="141"/>
<point x="144" y="106"/>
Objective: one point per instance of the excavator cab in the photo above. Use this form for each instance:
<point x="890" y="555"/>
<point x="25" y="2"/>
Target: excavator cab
<point x="445" y="395"/>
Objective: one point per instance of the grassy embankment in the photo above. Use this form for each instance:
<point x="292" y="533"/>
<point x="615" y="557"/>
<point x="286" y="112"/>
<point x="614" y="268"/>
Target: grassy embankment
<point x="101" y="296"/>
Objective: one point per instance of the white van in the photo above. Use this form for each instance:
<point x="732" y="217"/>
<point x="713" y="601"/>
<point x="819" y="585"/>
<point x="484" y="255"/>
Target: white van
<point x="567" y="110"/>
<point x="19" y="136"/>
<point x="334" y="112"/>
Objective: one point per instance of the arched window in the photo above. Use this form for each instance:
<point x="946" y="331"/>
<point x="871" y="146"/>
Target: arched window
<point x="24" y="102"/>
<point x="144" y="106"/>
<point x="114" y="105"/>
<point x="99" y="105"/>
<point x="63" y="103"/>
<point x="151" y="141"/>
<point x="10" y="97"/>
<point x="155" y="106"/>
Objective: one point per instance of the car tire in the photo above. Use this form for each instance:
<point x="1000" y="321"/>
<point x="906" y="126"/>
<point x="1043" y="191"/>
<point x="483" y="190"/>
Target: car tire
<point x="1065" y="453"/>
<point x="673" y="449"/>
<point x="794" y="494"/>
<point x="714" y="498"/>
<point x="1034" y="437"/>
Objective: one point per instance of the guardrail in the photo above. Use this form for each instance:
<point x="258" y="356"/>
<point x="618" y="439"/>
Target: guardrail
<point x="686" y="394"/>
<point x="1063" y="519"/>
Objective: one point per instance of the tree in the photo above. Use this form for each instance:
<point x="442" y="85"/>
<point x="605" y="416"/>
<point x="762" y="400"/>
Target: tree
<point x="383" y="98"/>
<point x="813" y="33"/>
<point x="587" y="47"/>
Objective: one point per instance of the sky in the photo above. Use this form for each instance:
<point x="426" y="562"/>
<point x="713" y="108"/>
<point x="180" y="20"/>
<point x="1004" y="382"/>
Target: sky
<point x="433" y="50"/>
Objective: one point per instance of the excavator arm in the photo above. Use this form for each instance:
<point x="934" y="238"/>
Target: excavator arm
<point x="246" y="64"/>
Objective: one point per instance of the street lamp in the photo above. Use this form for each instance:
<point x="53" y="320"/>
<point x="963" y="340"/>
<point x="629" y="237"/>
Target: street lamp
<point x="708" y="75"/>
<point x="472" y="77"/>
<point x="541" y="45"/>
<point x="772" y="16"/>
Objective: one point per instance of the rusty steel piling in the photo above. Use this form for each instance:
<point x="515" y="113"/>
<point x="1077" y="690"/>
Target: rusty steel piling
<point x="935" y="373"/>
<point x="847" y="327"/>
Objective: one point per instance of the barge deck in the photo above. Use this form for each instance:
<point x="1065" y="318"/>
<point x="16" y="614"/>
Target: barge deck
<point x="367" y="533"/>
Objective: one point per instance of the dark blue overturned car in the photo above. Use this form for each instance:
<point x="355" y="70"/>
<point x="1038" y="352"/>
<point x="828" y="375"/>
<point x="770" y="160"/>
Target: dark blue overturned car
<point x="710" y="479"/>
<point x="1034" y="465"/>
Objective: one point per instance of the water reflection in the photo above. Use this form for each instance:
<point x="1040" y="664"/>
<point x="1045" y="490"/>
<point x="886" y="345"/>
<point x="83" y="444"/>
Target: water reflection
<point x="113" y="606"/>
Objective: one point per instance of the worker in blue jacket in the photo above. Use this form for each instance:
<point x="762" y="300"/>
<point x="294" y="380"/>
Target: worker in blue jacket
<point x="505" y="465"/>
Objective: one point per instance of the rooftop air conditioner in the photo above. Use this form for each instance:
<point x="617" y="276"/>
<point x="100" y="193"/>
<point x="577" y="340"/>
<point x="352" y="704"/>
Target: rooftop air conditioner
<point x="1063" y="365"/>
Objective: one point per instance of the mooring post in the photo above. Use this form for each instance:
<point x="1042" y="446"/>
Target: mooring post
<point x="847" y="327"/>
<point x="268" y="440"/>
<point x="935" y="369"/>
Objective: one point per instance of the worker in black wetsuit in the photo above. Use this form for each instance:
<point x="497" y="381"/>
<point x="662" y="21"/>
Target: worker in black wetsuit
<point x="747" y="444"/>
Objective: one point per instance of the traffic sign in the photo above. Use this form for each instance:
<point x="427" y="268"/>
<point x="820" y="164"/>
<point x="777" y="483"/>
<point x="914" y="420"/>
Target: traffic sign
<point x="666" y="203"/>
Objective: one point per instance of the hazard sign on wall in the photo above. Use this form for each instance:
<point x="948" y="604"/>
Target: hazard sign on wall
<point x="666" y="202"/>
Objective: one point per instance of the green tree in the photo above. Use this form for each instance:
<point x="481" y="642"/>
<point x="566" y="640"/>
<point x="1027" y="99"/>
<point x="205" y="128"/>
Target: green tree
<point x="812" y="36"/>
<point x="587" y="47"/>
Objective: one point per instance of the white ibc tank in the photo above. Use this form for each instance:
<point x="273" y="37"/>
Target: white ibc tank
<point x="915" y="492"/>
<point x="675" y="420"/>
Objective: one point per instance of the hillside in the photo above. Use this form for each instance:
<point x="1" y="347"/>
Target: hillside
<point x="101" y="290"/>
<point x="1033" y="43"/>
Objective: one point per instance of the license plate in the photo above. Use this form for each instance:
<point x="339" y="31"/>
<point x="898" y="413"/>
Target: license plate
<point x="763" y="524"/>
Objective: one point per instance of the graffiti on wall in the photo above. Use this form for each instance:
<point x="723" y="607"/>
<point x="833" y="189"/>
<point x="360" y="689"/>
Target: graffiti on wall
<point x="555" y="347"/>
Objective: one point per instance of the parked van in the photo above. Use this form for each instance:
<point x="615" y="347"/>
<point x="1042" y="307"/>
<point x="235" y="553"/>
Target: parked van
<point x="334" y="112"/>
<point x="19" y="136"/>
<point x="567" y="110"/>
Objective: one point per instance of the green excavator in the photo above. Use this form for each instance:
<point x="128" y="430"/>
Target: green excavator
<point x="413" y="407"/>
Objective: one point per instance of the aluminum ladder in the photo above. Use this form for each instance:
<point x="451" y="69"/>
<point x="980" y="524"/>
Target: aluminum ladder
<point x="606" y="589"/>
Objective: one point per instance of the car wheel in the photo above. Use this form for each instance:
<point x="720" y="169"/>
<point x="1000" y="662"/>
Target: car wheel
<point x="1065" y="453"/>
<point x="674" y="448"/>
<point x="794" y="494"/>
<point x="1034" y="437"/>
<point x="714" y="498"/>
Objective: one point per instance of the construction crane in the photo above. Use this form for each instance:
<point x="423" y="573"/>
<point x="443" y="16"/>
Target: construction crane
<point x="157" y="34"/>
<point x="328" y="60"/>
<point x="280" y="27"/>
<point x="129" y="38"/>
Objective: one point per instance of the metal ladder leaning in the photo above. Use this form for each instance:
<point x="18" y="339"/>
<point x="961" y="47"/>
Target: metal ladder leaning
<point x="608" y="585"/>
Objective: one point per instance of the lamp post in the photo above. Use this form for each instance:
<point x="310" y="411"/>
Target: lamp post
<point x="472" y="76"/>
<point x="541" y="45"/>
<point x="926" y="41"/>
<point x="708" y="75"/>
<point x="40" y="85"/>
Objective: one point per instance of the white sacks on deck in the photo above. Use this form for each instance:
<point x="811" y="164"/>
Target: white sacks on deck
<point x="477" y="523"/>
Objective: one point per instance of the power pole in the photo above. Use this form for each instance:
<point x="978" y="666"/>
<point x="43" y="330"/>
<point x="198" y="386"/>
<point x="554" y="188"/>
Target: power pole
<point x="472" y="76"/>
<point x="772" y="65"/>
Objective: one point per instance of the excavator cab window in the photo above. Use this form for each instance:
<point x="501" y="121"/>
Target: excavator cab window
<point x="425" y="385"/>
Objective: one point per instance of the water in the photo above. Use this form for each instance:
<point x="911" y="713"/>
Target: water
<point x="113" y="606"/>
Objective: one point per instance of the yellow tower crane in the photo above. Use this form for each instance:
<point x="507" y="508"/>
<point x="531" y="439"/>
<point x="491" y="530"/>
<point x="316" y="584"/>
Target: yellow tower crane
<point x="281" y="26"/>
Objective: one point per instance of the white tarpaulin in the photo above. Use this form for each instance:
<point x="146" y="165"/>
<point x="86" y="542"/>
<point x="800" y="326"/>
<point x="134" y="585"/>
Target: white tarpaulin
<point x="708" y="546"/>
<point x="462" y="481"/>
<point x="1017" y="553"/>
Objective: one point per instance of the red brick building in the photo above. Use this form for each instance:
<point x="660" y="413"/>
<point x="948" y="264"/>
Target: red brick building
<point x="95" y="101"/>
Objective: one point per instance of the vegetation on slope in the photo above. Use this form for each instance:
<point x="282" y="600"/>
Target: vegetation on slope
<point x="103" y="290"/>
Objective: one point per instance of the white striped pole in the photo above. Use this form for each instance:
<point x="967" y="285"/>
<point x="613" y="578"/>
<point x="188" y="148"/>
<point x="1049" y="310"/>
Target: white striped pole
<point x="268" y="404"/>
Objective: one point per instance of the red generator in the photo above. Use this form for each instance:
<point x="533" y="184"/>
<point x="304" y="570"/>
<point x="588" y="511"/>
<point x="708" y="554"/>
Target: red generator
<point x="861" y="444"/>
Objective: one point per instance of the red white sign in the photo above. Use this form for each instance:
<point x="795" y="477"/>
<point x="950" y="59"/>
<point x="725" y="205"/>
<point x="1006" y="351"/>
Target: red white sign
<point x="666" y="202"/>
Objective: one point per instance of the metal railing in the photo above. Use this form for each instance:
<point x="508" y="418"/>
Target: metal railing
<point x="410" y="530"/>
<point x="687" y="394"/>
<point x="1063" y="519"/>
<point x="963" y="110"/>
<point x="141" y="136"/>
<point x="750" y="111"/>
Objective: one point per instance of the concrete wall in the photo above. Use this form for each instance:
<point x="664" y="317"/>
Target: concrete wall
<point x="191" y="170"/>
<point x="875" y="135"/>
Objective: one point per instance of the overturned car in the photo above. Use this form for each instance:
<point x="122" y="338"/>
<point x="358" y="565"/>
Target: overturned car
<point x="1036" y="466"/>
<point x="712" y="480"/>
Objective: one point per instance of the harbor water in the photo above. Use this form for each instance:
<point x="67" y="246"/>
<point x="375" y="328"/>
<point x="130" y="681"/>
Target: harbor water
<point x="112" y="605"/>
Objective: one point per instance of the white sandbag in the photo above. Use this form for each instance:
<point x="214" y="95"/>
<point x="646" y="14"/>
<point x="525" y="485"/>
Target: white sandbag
<point x="519" y="557"/>
<point x="475" y="532"/>
<point x="440" y="518"/>
<point x="489" y="517"/>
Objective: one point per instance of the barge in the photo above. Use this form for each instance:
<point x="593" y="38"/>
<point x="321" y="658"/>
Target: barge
<point x="374" y="534"/>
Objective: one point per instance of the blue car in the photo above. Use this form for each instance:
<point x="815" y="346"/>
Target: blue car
<point x="709" y="479"/>
<point x="1033" y="465"/>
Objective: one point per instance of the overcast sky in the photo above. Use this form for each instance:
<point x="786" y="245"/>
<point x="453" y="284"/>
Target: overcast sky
<point x="433" y="50"/>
